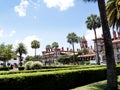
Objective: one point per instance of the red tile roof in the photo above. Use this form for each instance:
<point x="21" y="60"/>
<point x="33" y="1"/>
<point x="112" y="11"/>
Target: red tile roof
<point x="116" y="41"/>
<point x="87" y="55"/>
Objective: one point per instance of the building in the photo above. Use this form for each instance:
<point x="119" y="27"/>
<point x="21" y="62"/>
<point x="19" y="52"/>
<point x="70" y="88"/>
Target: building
<point x="53" y="54"/>
<point x="86" y="56"/>
<point x="115" y="43"/>
<point x="91" y="55"/>
<point x="101" y="48"/>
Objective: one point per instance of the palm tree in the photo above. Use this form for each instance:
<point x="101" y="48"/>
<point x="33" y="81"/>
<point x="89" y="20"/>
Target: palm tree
<point x="111" y="66"/>
<point x="21" y="49"/>
<point x="113" y="13"/>
<point x="35" y="44"/>
<point x="55" y="45"/>
<point x="93" y="22"/>
<point x="48" y="48"/>
<point x="72" y="38"/>
<point x="80" y="41"/>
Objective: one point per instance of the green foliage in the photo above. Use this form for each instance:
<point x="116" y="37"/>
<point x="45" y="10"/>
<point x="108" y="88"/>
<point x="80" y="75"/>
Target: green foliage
<point x="6" y="53"/>
<point x="113" y="13"/>
<point x="33" y="65"/>
<point x="37" y="57"/>
<point x="52" y="80"/>
<point x="52" y="68"/>
<point x="21" y="68"/>
<point x="55" y="45"/>
<point x="85" y="50"/>
<point x="4" y="68"/>
<point x="80" y="52"/>
<point x="35" y="45"/>
<point x="48" y="47"/>
<point x="21" y="49"/>
<point x="93" y="22"/>
<point x="28" y="58"/>
<point x="64" y="59"/>
<point x="72" y="38"/>
<point x="36" y="65"/>
<point x="28" y="65"/>
<point x="33" y="58"/>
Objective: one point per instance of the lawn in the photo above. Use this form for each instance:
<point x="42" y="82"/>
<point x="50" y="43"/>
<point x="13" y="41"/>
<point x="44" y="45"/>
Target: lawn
<point x="101" y="85"/>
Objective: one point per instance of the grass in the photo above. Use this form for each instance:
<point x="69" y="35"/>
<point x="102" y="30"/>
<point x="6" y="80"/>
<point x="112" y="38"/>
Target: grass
<point x="101" y="85"/>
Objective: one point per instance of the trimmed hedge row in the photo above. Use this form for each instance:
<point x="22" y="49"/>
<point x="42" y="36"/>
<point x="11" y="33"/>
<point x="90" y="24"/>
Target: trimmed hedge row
<point x="48" y="69"/>
<point x="55" y="80"/>
<point x="59" y="80"/>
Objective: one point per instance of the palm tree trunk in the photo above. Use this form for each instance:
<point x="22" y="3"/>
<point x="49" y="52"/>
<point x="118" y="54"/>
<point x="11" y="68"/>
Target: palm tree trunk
<point x="73" y="53"/>
<point x="35" y="53"/>
<point x="20" y="59"/>
<point x="111" y="66"/>
<point x="98" y="60"/>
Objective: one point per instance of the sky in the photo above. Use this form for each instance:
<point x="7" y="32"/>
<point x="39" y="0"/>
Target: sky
<point x="47" y="21"/>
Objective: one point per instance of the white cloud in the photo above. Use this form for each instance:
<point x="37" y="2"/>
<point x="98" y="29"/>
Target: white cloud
<point x="62" y="4"/>
<point x="21" y="8"/>
<point x="35" y="3"/>
<point x="27" y="41"/>
<point x="4" y="34"/>
<point x="90" y="35"/>
<point x="12" y="33"/>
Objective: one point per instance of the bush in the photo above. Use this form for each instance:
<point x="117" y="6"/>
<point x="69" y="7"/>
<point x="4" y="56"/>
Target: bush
<point x="33" y="65"/>
<point x="21" y="68"/>
<point x="4" y="68"/>
<point x="36" y="65"/>
<point x="52" y="80"/>
<point x="28" y="65"/>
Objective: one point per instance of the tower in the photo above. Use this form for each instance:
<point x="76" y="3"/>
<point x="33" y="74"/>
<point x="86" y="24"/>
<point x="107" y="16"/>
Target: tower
<point x="84" y="43"/>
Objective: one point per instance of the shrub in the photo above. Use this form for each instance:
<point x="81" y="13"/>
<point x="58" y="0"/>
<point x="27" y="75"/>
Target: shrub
<point x="33" y="65"/>
<point x="58" y="80"/>
<point x="28" y="65"/>
<point x="36" y="65"/>
<point x="21" y="68"/>
<point x="4" y="68"/>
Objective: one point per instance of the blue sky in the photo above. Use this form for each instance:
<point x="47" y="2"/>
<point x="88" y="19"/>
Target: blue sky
<point x="47" y="21"/>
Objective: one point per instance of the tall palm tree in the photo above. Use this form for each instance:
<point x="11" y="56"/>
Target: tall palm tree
<point x="55" y="45"/>
<point x="21" y="49"/>
<point x="113" y="13"/>
<point x="48" y="48"/>
<point x="111" y="66"/>
<point x="93" y="22"/>
<point x="80" y="41"/>
<point x="35" y="44"/>
<point x="72" y="38"/>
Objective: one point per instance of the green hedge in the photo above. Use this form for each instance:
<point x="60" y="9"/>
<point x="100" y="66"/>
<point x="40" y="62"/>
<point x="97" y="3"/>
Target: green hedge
<point x="59" y="80"/>
<point x="47" y="69"/>
<point x="55" y="80"/>
<point x="4" y="68"/>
